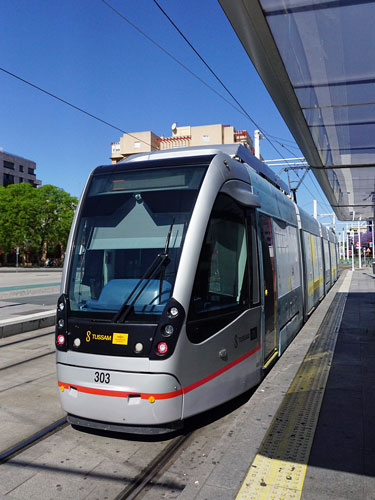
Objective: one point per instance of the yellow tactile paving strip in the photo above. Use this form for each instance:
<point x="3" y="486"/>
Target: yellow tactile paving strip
<point x="279" y="468"/>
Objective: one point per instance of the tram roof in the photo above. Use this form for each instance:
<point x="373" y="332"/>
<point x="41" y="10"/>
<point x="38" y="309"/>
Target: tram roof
<point x="316" y="59"/>
<point x="236" y="151"/>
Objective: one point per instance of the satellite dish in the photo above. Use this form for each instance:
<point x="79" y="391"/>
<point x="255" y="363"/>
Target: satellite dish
<point x="174" y="127"/>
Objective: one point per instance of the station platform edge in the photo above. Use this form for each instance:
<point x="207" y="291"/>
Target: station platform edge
<point x="307" y="431"/>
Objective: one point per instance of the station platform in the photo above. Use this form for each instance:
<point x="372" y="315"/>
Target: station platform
<point x="28" y="298"/>
<point x="307" y="431"/>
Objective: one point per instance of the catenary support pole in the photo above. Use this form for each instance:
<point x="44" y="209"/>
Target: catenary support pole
<point x="347" y="243"/>
<point x="359" y="245"/>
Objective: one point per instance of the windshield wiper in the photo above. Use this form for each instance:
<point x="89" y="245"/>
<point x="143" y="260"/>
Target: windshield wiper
<point x="166" y="250"/>
<point x="161" y="259"/>
<point x="83" y="255"/>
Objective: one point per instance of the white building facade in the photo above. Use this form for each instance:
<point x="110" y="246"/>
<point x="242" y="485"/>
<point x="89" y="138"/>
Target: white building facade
<point x="203" y="135"/>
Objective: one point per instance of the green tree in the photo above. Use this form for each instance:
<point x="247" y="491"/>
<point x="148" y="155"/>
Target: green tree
<point x="54" y="215"/>
<point x="34" y="219"/>
<point x="16" y="216"/>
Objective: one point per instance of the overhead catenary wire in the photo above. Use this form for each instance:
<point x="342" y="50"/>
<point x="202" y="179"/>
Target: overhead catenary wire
<point x="73" y="106"/>
<point x="287" y="147"/>
<point x="240" y="108"/>
<point x="266" y="135"/>
<point x="154" y="42"/>
<point x="217" y="77"/>
<point x="318" y="193"/>
<point x="101" y="120"/>
<point x="105" y="122"/>
<point x="244" y="112"/>
<point x="77" y="108"/>
<point x="292" y="144"/>
<point x="305" y="178"/>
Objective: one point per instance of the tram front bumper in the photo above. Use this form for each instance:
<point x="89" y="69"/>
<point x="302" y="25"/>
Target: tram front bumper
<point x="127" y="398"/>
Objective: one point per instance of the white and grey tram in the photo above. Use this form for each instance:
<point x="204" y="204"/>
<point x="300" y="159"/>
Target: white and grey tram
<point x="187" y="274"/>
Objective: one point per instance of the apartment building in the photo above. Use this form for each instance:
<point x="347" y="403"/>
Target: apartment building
<point x="203" y="135"/>
<point x="15" y="169"/>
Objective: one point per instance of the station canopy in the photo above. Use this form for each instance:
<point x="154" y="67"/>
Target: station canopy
<point x="317" y="60"/>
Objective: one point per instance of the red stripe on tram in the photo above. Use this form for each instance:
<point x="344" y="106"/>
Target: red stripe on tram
<point x="164" y="395"/>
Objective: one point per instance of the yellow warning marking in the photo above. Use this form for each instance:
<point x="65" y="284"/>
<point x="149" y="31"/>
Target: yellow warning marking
<point x="312" y="249"/>
<point x="279" y="468"/>
<point x="285" y="480"/>
<point x="120" y="338"/>
<point x="314" y="285"/>
<point x="273" y="355"/>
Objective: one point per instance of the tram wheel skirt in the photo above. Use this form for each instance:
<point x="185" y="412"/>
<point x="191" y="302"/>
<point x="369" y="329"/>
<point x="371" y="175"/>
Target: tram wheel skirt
<point x="85" y="423"/>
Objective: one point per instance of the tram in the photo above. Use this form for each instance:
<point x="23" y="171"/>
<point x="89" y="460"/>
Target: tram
<point x="187" y="274"/>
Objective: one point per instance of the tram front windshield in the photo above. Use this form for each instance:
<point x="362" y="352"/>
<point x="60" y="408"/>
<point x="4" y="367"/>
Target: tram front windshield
<point x="126" y="220"/>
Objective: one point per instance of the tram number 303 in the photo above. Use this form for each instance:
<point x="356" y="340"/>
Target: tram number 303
<point x="102" y="377"/>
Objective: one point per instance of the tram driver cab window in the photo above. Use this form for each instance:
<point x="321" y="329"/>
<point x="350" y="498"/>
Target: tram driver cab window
<point x="221" y="285"/>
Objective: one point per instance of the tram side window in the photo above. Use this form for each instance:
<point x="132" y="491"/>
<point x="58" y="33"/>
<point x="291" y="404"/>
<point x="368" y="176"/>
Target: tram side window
<point x="286" y="247"/>
<point x="327" y="261"/>
<point x="221" y="286"/>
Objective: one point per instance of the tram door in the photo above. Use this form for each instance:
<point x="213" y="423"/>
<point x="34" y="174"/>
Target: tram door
<point x="269" y="277"/>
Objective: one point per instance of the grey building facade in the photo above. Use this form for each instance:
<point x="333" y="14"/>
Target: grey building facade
<point x="15" y="170"/>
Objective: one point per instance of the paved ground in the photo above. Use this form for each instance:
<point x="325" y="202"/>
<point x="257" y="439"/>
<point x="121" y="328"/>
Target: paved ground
<point x="27" y="298"/>
<point x="28" y="391"/>
<point x="342" y="460"/>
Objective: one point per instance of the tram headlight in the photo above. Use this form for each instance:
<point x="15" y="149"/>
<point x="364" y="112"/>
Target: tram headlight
<point x="61" y="332"/>
<point x="77" y="342"/>
<point x="60" y="339"/>
<point x="162" y="348"/>
<point x="168" y="330"/>
<point x="138" y="347"/>
<point x="173" y="312"/>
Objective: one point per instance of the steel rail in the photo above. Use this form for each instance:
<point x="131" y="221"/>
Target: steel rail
<point x="144" y="479"/>
<point x="27" y="360"/>
<point x="25" y="340"/>
<point x="23" y="445"/>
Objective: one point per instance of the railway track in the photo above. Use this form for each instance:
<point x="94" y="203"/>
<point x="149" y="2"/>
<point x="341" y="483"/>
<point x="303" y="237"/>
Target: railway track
<point x="20" y="342"/>
<point x="23" y="445"/>
<point x="26" y="339"/>
<point x="135" y="480"/>
<point x="143" y="480"/>
<point x="137" y="484"/>
<point x="27" y="360"/>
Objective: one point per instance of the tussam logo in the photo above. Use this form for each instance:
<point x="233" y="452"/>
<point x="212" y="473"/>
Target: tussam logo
<point x="94" y="336"/>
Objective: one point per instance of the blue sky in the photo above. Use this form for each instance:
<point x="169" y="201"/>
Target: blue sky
<point x="81" y="51"/>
